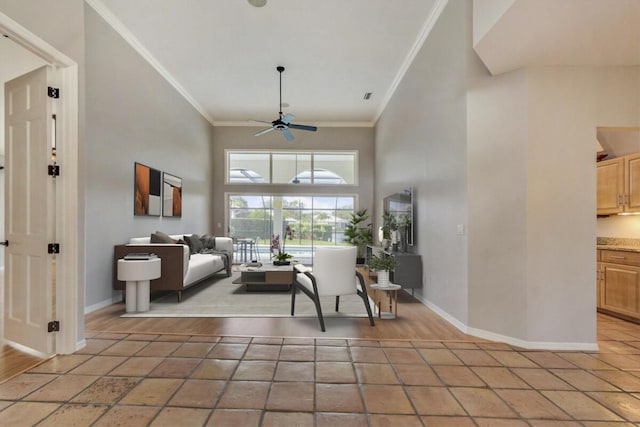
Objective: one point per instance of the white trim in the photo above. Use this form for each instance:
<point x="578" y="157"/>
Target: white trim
<point x="488" y="335"/>
<point x="435" y="13"/>
<point x="243" y="123"/>
<point x="33" y="43"/>
<point x="128" y="36"/>
<point x="70" y="259"/>
<point x="103" y="304"/>
<point x="27" y="350"/>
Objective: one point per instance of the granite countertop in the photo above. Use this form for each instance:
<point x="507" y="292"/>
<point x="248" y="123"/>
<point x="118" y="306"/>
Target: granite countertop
<point x="618" y="244"/>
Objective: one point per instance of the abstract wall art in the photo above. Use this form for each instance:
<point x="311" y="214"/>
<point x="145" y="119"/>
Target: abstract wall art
<point x="171" y="195"/>
<point x="147" y="187"/>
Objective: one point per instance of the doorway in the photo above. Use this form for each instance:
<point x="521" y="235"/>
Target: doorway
<point x="69" y="292"/>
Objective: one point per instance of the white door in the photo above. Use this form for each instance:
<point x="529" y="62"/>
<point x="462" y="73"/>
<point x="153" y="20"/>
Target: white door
<point x="29" y="224"/>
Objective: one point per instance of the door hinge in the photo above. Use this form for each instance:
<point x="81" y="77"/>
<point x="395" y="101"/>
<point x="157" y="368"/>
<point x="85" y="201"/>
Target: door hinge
<point x="53" y="248"/>
<point x="54" y="170"/>
<point x="53" y="92"/>
<point x="53" y="326"/>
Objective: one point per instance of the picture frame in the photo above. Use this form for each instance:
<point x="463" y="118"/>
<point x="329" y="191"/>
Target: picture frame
<point x="171" y="195"/>
<point x="147" y="191"/>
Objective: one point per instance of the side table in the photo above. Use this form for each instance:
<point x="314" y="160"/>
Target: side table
<point x="391" y="291"/>
<point x="138" y="273"/>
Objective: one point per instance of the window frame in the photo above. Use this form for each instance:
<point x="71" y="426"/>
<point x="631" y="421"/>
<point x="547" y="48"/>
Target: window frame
<point x="270" y="152"/>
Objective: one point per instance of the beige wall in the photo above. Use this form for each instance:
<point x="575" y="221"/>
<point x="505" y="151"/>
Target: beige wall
<point x="507" y="158"/>
<point x="360" y="139"/>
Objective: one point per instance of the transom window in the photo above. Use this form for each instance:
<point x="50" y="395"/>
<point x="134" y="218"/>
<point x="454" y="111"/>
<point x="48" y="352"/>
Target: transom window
<point x="291" y="167"/>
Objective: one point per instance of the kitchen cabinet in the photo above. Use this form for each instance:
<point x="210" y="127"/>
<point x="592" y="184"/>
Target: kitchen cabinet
<point x="618" y="189"/>
<point x="599" y="280"/>
<point x="619" y="281"/>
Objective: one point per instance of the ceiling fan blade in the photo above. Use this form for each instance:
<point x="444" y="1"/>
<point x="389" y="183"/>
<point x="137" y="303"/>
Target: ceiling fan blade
<point x="262" y="132"/>
<point x="303" y="127"/>
<point x="287" y="118"/>
<point x="260" y="121"/>
<point x="287" y="134"/>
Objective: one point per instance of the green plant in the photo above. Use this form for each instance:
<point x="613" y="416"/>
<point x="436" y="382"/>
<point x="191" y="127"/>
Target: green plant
<point x="358" y="232"/>
<point x="388" y="224"/>
<point x="382" y="262"/>
<point x="282" y="256"/>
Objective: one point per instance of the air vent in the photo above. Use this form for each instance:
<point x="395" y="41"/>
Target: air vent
<point x="367" y="95"/>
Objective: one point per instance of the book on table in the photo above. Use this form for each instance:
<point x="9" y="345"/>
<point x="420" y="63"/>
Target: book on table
<point x="140" y="256"/>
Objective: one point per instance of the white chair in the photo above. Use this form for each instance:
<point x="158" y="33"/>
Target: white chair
<point x="334" y="274"/>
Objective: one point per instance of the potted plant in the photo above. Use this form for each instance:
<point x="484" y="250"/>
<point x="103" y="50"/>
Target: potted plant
<point x="358" y="233"/>
<point x="389" y="225"/>
<point x="382" y="263"/>
<point x="282" y="257"/>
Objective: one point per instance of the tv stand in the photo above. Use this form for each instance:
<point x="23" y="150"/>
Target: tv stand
<point x="408" y="271"/>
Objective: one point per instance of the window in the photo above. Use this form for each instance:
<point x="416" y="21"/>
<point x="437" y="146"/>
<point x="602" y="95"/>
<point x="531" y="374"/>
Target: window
<point x="314" y="220"/>
<point x="292" y="167"/>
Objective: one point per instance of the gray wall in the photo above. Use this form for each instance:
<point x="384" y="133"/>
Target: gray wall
<point x="360" y="139"/>
<point x="133" y="115"/>
<point x="421" y="142"/>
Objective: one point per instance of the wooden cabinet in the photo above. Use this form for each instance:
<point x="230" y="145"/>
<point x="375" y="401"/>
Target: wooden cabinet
<point x="610" y="186"/>
<point x="619" y="281"/>
<point x="618" y="187"/>
<point x="599" y="280"/>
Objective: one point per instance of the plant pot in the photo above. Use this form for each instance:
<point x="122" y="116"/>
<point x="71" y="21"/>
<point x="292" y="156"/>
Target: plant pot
<point x="383" y="277"/>
<point x="281" y="262"/>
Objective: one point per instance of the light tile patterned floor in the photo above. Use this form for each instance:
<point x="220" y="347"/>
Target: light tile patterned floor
<point x="175" y="380"/>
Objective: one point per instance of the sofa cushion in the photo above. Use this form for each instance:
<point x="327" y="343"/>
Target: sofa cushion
<point x="209" y="242"/>
<point x="194" y="242"/>
<point x="160" y="237"/>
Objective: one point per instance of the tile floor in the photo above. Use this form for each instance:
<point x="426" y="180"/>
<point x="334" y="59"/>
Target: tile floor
<point x="181" y="380"/>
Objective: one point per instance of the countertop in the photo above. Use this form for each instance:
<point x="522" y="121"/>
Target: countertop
<point x="618" y="244"/>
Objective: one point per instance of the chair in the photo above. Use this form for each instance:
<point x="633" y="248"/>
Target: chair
<point x="334" y="273"/>
<point x="257" y="248"/>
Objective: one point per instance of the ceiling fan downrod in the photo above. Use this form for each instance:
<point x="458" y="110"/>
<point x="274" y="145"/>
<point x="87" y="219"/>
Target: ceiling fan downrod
<point x="280" y="69"/>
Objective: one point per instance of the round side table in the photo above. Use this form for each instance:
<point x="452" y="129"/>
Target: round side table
<point x="392" y="294"/>
<point x="138" y="274"/>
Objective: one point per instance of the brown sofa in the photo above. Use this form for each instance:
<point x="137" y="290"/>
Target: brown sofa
<point x="179" y="269"/>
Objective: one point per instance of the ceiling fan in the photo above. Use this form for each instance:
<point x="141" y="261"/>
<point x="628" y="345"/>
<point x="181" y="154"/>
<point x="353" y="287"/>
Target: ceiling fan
<point x="283" y="122"/>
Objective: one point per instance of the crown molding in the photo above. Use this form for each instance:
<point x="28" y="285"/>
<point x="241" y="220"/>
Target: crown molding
<point x="436" y="11"/>
<point x="246" y="123"/>
<point x="128" y="36"/>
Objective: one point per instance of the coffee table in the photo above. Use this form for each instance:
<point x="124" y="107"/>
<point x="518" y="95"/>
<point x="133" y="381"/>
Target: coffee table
<point x="267" y="277"/>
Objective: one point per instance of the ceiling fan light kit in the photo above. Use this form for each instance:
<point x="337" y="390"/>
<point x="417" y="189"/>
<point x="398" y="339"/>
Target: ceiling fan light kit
<point x="257" y="3"/>
<point x="283" y="122"/>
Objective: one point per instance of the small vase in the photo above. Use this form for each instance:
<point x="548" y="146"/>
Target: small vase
<point x="383" y="277"/>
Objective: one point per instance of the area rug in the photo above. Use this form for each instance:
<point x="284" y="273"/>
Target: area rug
<point x="218" y="297"/>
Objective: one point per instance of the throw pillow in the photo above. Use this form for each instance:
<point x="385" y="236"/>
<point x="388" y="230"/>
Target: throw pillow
<point x="209" y="242"/>
<point x="160" y="237"/>
<point x="195" y="245"/>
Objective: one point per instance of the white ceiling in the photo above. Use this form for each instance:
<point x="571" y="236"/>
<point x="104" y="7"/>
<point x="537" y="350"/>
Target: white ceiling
<point x="558" y="33"/>
<point x="224" y="53"/>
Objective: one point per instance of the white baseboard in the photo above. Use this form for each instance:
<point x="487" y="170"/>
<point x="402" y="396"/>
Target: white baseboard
<point x="488" y="335"/>
<point x="103" y="304"/>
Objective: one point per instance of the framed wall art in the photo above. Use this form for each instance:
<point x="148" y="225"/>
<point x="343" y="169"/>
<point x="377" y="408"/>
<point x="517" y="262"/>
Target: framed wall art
<point x="147" y="187"/>
<point x="171" y="195"/>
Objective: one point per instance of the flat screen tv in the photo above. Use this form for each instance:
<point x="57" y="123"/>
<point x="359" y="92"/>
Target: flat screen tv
<point x="400" y="205"/>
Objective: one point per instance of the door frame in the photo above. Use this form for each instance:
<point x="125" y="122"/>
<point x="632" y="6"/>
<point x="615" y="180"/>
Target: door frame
<point x="69" y="289"/>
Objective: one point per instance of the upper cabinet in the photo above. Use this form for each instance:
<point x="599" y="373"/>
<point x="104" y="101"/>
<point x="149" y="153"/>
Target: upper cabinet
<point x="619" y="185"/>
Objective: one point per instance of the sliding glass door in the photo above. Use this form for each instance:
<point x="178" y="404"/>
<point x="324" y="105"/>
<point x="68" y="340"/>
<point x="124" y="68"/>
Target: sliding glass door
<point x="306" y="221"/>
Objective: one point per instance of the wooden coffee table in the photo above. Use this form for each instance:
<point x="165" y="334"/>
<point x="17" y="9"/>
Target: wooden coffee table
<point x="267" y="277"/>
